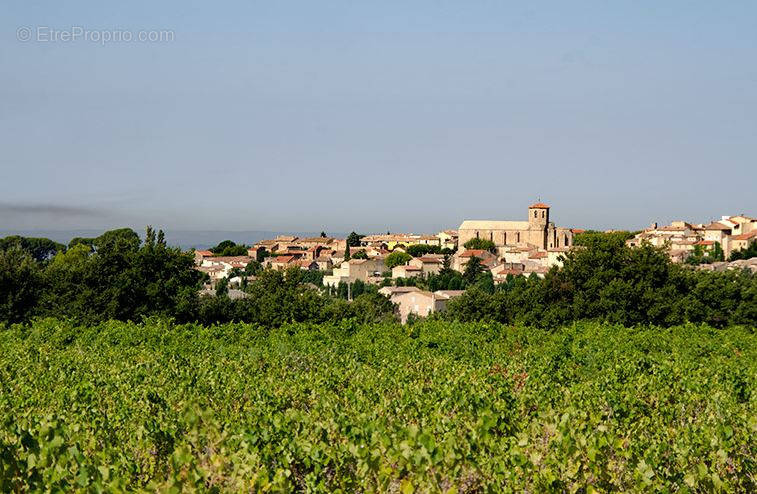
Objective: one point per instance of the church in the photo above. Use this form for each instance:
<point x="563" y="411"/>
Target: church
<point x="536" y="232"/>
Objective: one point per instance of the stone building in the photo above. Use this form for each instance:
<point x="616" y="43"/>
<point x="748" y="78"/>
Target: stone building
<point x="537" y="231"/>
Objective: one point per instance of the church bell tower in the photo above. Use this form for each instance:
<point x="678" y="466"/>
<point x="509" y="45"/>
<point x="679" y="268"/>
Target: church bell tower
<point x="538" y="215"/>
<point x="538" y="223"/>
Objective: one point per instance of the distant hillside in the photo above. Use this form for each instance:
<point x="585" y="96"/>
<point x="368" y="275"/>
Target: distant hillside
<point x="186" y="239"/>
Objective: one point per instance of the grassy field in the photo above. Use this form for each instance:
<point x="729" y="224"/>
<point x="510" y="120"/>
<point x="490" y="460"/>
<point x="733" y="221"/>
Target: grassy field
<point x="435" y="407"/>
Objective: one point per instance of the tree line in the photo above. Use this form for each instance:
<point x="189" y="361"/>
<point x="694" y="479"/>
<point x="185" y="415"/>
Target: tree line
<point x="119" y="276"/>
<point x="605" y="280"/>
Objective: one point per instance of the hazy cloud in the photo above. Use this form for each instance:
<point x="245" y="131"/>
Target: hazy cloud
<point x="56" y="210"/>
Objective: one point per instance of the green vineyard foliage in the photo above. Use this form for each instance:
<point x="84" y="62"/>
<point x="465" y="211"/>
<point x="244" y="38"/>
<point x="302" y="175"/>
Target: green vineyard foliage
<point x="435" y="407"/>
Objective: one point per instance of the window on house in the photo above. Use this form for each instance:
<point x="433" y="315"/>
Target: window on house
<point x="534" y="214"/>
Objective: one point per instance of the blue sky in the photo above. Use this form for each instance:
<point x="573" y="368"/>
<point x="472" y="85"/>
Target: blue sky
<point x="378" y="116"/>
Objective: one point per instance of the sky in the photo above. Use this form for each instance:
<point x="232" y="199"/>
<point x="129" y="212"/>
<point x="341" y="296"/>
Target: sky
<point x="375" y="116"/>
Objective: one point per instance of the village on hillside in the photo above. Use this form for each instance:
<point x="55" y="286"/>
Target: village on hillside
<point x="690" y="242"/>
<point x="529" y="247"/>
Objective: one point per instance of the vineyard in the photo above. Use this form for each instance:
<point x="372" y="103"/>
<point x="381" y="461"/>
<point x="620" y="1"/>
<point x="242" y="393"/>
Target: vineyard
<point x="432" y="407"/>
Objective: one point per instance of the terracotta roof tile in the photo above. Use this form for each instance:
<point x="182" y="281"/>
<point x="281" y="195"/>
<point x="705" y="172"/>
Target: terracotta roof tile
<point x="717" y="226"/>
<point x="473" y="253"/>
<point x="430" y="259"/>
<point x="745" y="236"/>
<point x="283" y="259"/>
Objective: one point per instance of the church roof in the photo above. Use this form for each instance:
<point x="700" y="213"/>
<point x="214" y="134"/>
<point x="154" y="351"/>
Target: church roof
<point x="540" y="205"/>
<point x="493" y="225"/>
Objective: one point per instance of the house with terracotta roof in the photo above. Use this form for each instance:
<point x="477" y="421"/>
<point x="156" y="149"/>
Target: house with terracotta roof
<point x="422" y="303"/>
<point x="324" y="263"/>
<point x="419" y="266"/>
<point x="281" y="262"/>
<point x="500" y="272"/>
<point x="267" y="245"/>
<point x="389" y="291"/>
<point x="201" y="255"/>
<point x="448" y="239"/>
<point x="218" y="267"/>
<point x="432" y="240"/>
<point x="355" y="269"/>
<point x="461" y="259"/>
<point x="306" y="264"/>
<point x="429" y="264"/>
<point x="309" y="242"/>
<point x="390" y="241"/>
<point x="406" y="271"/>
<point x="743" y="241"/>
<point x="215" y="272"/>
<point x="743" y="224"/>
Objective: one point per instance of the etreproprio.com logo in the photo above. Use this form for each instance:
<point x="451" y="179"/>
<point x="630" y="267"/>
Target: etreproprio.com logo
<point x="74" y="34"/>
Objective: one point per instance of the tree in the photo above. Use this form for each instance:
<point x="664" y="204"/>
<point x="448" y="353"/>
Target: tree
<point x="590" y="236"/>
<point x="358" y="288"/>
<point x="41" y="249"/>
<point x="361" y="254"/>
<point x="323" y="234"/>
<point x="472" y="269"/>
<point x="124" y="239"/>
<point x="418" y="250"/>
<point x="279" y="297"/>
<point x="261" y="254"/>
<point x="225" y="244"/>
<point x="485" y="282"/>
<point x="702" y="255"/>
<point x="397" y="259"/>
<point x="446" y="265"/>
<point x="253" y="268"/>
<point x="480" y="244"/>
<point x="477" y="305"/>
<point x="86" y="241"/>
<point x="347" y="252"/>
<point x="19" y="285"/>
<point x="717" y="253"/>
<point x="229" y="248"/>
<point x="121" y="280"/>
<point x="353" y="240"/>
<point x="222" y="287"/>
